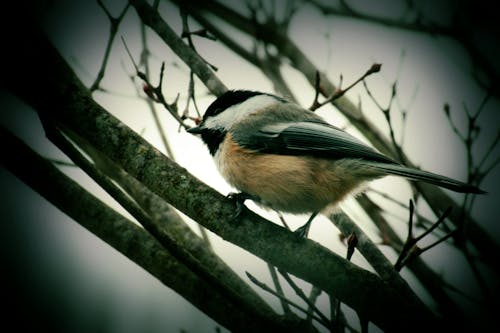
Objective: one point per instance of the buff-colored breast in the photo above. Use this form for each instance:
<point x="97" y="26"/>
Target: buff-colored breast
<point x="294" y="184"/>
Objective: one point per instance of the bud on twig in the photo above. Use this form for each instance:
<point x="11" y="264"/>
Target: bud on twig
<point x="352" y="241"/>
<point x="149" y="91"/>
<point x="374" y="69"/>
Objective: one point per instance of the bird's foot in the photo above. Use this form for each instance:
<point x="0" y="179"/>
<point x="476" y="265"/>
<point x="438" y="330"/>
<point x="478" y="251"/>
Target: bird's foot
<point x="303" y="231"/>
<point x="239" y="199"/>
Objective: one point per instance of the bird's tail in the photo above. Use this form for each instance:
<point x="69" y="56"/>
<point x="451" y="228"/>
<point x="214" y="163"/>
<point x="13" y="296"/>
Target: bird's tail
<point x="428" y="177"/>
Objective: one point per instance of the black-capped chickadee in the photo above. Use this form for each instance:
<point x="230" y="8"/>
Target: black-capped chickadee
<point x="289" y="159"/>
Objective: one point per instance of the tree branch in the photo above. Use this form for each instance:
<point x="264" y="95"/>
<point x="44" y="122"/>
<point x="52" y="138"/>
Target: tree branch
<point x="372" y="254"/>
<point x="151" y="18"/>
<point x="145" y="61"/>
<point x="114" y="23"/>
<point x="203" y="262"/>
<point x="433" y="282"/>
<point x="339" y="92"/>
<point x="120" y="233"/>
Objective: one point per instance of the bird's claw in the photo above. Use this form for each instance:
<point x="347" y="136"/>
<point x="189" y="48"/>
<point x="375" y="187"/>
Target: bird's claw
<point x="239" y="199"/>
<point x="302" y="231"/>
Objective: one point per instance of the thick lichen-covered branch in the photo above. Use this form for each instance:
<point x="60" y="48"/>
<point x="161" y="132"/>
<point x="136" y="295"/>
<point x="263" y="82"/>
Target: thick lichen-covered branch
<point x="166" y="226"/>
<point x="121" y="233"/>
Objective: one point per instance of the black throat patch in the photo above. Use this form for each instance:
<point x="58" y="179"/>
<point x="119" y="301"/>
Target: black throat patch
<point x="213" y="139"/>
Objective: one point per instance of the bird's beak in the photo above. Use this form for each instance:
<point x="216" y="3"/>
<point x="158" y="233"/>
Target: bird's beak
<point x="195" y="130"/>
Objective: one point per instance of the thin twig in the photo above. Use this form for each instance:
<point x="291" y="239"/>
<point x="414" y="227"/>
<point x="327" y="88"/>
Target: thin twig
<point x="265" y="287"/>
<point x="114" y="23"/>
<point x="432" y="281"/>
<point x="313" y="296"/>
<point x="442" y="239"/>
<point x="151" y="105"/>
<point x="375" y="68"/>
<point x="279" y="290"/>
<point x="352" y="242"/>
<point x="410" y="249"/>
<point x="371" y="252"/>
<point x="155" y="92"/>
<point x="476" y="171"/>
<point x="386" y="111"/>
<point x="421" y="221"/>
<point x="304" y="297"/>
<point x="435" y="225"/>
<point x="317" y="87"/>
<point x="186" y="33"/>
<point x="481" y="170"/>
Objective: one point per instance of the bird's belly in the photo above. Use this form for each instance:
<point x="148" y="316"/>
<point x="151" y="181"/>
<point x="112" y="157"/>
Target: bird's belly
<point x="294" y="184"/>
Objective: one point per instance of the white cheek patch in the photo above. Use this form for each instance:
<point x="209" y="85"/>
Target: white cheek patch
<point x="236" y="113"/>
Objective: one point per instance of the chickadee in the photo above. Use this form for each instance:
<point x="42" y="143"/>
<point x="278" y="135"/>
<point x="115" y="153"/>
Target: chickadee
<point x="289" y="159"/>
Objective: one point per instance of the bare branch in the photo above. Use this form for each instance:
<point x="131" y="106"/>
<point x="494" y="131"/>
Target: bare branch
<point x="145" y="61"/>
<point x="375" y="68"/>
<point x="152" y="226"/>
<point x="122" y="234"/>
<point x="339" y="322"/>
<point x="279" y="290"/>
<point x="387" y="115"/>
<point x="151" y="18"/>
<point x="265" y="287"/>
<point x="114" y="23"/>
<point x="186" y="33"/>
<point x="302" y="295"/>
<point x="410" y="249"/>
<point x="155" y="93"/>
<point x="370" y="251"/>
<point x="313" y="296"/>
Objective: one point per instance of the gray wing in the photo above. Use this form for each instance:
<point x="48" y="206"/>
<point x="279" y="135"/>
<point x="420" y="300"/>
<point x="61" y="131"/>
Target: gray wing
<point x="310" y="138"/>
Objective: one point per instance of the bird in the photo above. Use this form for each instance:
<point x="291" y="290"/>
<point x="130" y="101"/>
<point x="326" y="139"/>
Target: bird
<point x="289" y="159"/>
